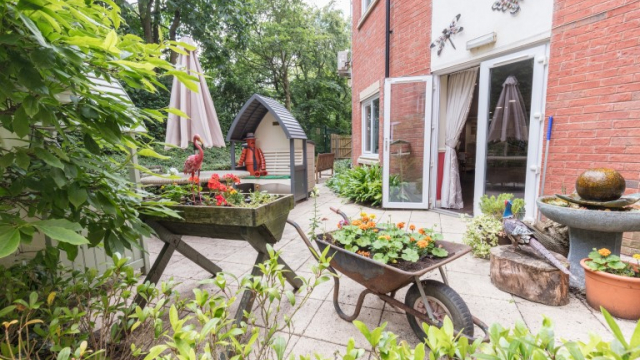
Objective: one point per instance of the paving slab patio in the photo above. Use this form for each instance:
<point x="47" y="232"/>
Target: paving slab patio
<point x="321" y="330"/>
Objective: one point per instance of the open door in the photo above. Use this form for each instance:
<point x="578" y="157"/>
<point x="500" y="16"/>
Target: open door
<point x="510" y="117"/>
<point x="407" y="142"/>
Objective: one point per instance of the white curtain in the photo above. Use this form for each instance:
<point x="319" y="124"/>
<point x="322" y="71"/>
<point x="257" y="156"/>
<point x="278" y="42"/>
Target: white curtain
<point x="459" y="95"/>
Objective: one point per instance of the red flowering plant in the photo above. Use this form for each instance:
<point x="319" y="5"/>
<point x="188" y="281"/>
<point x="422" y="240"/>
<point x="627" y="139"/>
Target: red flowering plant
<point x="222" y="190"/>
<point x="387" y="242"/>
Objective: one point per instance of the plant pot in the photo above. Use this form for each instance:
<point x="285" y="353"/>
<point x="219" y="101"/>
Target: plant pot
<point x="618" y="294"/>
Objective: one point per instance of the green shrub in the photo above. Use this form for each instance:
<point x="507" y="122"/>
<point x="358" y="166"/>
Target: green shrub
<point x="49" y="311"/>
<point x="362" y="184"/>
<point x="495" y="206"/>
<point x="342" y="165"/>
<point x="482" y="234"/>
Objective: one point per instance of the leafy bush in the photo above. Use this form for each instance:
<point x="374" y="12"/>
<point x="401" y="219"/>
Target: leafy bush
<point x="342" y="165"/>
<point x="482" y="234"/>
<point x="362" y="184"/>
<point x="504" y="344"/>
<point x="61" y="130"/>
<point x="49" y="311"/>
<point x="495" y="206"/>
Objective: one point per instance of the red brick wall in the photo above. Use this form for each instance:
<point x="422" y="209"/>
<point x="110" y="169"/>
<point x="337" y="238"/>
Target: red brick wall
<point x="409" y="52"/>
<point x="594" y="91"/>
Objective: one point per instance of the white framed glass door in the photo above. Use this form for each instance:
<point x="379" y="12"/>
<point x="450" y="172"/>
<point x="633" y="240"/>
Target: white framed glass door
<point x="510" y="117"/>
<point x="407" y="142"/>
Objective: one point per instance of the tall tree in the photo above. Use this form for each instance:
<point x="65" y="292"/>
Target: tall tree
<point x="208" y="21"/>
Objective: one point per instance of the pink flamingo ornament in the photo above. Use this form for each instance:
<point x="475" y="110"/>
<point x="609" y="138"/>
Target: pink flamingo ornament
<point x="193" y="164"/>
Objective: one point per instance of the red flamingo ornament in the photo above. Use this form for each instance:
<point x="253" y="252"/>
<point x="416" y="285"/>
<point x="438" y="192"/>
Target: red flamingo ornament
<point x="193" y="164"/>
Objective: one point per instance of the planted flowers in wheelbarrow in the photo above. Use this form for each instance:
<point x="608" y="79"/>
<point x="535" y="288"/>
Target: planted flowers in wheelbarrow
<point x="389" y="243"/>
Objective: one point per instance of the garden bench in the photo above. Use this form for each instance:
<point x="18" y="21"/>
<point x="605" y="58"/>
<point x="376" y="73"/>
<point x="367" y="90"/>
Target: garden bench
<point x="324" y="162"/>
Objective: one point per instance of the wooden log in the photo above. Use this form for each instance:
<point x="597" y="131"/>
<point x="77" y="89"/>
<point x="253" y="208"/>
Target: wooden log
<point x="529" y="277"/>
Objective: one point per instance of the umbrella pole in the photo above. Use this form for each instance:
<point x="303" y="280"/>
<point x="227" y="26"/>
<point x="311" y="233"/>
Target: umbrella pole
<point x="546" y="158"/>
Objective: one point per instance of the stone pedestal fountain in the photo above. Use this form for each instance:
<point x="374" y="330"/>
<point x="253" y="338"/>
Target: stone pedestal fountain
<point x="598" y="219"/>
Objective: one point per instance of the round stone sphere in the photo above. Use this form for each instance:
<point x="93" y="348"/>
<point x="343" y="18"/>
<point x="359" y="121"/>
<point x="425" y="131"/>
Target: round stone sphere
<point x="600" y="185"/>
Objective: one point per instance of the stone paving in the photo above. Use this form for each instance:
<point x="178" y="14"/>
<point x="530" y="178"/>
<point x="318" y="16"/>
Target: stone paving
<point x="317" y="326"/>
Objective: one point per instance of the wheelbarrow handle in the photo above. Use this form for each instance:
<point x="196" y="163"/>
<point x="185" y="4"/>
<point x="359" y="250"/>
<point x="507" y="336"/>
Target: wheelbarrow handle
<point x="339" y="212"/>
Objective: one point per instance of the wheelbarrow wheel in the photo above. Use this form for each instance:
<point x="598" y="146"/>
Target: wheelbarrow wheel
<point x="444" y="301"/>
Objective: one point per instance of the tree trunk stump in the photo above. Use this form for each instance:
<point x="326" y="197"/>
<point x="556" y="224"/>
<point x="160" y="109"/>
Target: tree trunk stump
<point x="529" y="277"/>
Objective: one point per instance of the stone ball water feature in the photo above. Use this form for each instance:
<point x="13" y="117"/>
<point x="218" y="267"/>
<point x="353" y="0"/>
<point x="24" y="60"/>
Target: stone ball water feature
<point x="597" y="216"/>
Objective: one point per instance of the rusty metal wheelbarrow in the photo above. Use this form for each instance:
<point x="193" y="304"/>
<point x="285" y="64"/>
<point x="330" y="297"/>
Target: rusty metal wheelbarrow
<point x="426" y="301"/>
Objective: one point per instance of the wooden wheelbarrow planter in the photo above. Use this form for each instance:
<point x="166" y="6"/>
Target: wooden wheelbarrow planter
<point x="258" y="226"/>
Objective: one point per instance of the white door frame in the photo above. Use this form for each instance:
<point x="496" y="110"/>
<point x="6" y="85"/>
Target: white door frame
<point x="536" y="119"/>
<point x="428" y="80"/>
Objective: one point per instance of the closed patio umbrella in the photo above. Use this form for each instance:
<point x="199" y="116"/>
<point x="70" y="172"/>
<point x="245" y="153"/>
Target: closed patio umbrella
<point x="203" y="119"/>
<point x="509" y="118"/>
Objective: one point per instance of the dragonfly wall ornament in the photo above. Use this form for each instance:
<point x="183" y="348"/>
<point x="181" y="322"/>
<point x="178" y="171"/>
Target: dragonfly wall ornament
<point x="503" y="5"/>
<point x="446" y="35"/>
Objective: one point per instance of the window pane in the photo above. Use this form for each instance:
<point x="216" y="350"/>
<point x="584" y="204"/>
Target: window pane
<point x="375" y="125"/>
<point x="367" y="126"/>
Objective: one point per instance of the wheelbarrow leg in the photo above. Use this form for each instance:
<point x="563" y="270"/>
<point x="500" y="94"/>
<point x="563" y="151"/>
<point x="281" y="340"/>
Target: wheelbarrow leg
<point x="444" y="275"/>
<point x="336" y="304"/>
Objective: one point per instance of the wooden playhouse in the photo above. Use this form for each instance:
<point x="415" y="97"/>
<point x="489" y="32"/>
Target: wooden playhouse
<point x="283" y="143"/>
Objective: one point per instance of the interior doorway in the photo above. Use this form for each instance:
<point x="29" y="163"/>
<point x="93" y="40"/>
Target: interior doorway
<point x="466" y="151"/>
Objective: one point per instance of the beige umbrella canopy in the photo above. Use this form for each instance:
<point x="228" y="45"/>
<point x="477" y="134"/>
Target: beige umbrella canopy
<point x="509" y="118"/>
<point x="203" y="119"/>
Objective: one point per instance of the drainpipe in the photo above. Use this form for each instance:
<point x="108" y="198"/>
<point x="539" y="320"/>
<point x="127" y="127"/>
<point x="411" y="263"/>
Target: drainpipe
<point x="386" y="37"/>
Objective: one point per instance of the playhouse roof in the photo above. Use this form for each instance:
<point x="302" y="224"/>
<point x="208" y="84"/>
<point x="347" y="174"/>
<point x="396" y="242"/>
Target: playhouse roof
<point x="252" y="113"/>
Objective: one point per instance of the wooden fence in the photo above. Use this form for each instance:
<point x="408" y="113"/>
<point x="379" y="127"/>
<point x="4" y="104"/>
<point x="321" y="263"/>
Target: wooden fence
<point x="341" y="146"/>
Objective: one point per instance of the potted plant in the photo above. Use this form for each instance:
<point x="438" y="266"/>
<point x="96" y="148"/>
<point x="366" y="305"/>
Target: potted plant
<point x="612" y="283"/>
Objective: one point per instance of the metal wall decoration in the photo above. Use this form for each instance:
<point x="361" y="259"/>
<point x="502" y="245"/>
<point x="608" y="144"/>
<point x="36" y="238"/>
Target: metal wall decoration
<point x="503" y="5"/>
<point x="446" y="34"/>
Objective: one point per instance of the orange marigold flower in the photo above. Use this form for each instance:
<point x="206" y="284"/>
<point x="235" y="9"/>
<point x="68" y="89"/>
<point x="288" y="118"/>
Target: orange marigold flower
<point x="356" y="222"/>
<point x="412" y="227"/>
<point x="412" y="239"/>
<point x="604" y="252"/>
<point x="371" y="224"/>
<point x="363" y="227"/>
<point x="385" y="237"/>
<point x="400" y="225"/>
<point x="375" y="230"/>
<point x="194" y="179"/>
<point x="422" y="244"/>
<point x="421" y="231"/>
<point x="427" y="238"/>
<point x="365" y="219"/>
<point x="339" y="224"/>
<point x="363" y="253"/>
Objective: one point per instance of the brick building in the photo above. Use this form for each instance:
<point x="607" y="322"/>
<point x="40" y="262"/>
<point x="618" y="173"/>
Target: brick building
<point x="483" y="78"/>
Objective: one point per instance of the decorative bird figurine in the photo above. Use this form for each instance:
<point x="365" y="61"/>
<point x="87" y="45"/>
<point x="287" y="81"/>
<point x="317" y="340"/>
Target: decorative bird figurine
<point x="193" y="164"/>
<point x="520" y="234"/>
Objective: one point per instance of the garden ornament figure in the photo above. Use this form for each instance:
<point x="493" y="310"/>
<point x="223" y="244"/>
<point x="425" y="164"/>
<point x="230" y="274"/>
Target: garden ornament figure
<point x="252" y="157"/>
<point x="193" y="164"/>
<point x="520" y="234"/>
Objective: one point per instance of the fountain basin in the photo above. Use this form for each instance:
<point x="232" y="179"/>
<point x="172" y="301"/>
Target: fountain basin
<point x="590" y="229"/>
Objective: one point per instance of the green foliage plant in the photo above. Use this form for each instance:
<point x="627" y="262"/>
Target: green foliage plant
<point x="362" y="184"/>
<point x="495" y="206"/>
<point x="60" y="131"/>
<point x="48" y="311"/>
<point x="517" y="343"/>
<point x="603" y="260"/>
<point x="482" y="234"/>
<point x="387" y="243"/>
<point x="209" y="331"/>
